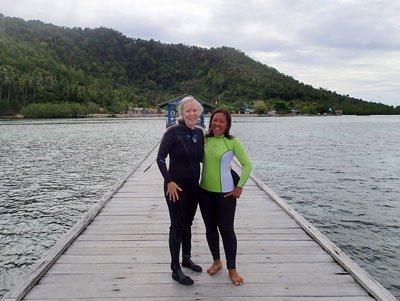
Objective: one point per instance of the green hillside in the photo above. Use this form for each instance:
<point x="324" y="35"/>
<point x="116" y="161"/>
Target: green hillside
<point x="91" y="68"/>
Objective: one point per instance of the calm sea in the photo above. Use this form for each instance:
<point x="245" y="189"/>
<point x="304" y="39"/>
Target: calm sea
<point x="341" y="173"/>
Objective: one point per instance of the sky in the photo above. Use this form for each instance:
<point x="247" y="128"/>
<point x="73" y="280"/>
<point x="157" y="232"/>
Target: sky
<point x="351" y="47"/>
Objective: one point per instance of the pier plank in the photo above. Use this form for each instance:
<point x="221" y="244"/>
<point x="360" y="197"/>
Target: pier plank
<point x="120" y="252"/>
<point x="283" y="235"/>
<point x="90" y="268"/>
<point x="261" y="277"/>
<point x="172" y="290"/>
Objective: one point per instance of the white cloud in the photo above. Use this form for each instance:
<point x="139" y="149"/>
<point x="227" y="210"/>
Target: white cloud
<point x="348" y="46"/>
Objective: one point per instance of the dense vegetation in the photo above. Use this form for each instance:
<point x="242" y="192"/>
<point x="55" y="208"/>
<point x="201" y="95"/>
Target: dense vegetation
<point x="80" y="70"/>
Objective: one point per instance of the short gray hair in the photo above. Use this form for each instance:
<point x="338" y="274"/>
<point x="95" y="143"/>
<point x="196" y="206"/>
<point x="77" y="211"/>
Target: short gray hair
<point x="187" y="99"/>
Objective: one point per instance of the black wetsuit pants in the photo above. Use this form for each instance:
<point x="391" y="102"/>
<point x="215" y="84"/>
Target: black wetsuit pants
<point x="219" y="214"/>
<point x="181" y="213"/>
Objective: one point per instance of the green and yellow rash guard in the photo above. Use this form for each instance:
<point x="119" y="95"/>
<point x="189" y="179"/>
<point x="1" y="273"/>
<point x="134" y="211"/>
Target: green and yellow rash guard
<point x="218" y="154"/>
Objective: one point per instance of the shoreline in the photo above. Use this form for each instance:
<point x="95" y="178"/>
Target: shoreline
<point x="206" y="115"/>
<point x="164" y="115"/>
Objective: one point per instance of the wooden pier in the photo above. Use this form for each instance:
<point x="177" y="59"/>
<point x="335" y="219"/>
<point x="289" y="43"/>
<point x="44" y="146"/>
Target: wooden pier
<point x="119" y="251"/>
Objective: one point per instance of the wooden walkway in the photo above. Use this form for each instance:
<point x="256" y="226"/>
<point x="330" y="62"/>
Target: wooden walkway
<point x="120" y="252"/>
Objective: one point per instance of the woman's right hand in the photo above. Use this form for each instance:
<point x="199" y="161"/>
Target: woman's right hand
<point x="172" y="191"/>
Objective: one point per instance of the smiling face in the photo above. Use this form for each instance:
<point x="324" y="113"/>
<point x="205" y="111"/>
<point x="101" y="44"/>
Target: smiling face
<point x="190" y="114"/>
<point x="219" y="124"/>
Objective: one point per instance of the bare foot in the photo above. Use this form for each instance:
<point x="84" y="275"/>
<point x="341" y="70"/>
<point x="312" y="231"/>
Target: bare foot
<point x="215" y="267"/>
<point x="235" y="277"/>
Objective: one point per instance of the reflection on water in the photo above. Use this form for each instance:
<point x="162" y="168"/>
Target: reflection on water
<point x="341" y="173"/>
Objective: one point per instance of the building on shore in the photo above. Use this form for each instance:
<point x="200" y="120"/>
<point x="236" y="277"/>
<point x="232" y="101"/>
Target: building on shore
<point x="173" y="113"/>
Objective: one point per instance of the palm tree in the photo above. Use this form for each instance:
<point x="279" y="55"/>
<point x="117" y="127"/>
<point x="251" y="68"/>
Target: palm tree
<point x="10" y="78"/>
<point x="37" y="83"/>
<point x="2" y="80"/>
<point x="25" y="81"/>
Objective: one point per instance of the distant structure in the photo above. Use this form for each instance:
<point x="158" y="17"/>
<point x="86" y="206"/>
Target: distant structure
<point x="246" y="111"/>
<point x="173" y="113"/>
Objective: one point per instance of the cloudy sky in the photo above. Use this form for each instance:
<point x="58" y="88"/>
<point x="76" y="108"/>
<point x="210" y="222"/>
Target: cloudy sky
<point x="348" y="46"/>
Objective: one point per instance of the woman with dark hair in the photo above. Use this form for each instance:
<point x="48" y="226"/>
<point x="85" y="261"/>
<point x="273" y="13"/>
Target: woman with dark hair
<point x="218" y="191"/>
<point x="183" y="144"/>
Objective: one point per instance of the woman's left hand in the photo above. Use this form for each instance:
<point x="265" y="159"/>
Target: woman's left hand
<point x="236" y="192"/>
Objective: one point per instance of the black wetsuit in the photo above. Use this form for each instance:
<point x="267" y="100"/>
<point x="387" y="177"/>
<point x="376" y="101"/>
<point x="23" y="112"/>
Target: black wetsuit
<point x="185" y="149"/>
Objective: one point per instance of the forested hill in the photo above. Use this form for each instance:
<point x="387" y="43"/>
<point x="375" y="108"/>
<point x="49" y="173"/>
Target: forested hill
<point x="42" y="63"/>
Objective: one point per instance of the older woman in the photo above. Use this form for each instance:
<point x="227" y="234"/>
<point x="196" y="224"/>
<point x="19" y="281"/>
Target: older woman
<point x="184" y="145"/>
<point x="218" y="191"/>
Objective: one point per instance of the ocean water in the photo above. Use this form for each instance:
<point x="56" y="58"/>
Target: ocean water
<point x="52" y="172"/>
<point x="341" y="173"/>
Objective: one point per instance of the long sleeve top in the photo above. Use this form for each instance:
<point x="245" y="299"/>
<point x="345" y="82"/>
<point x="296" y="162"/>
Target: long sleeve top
<point x="218" y="154"/>
<point x="184" y="147"/>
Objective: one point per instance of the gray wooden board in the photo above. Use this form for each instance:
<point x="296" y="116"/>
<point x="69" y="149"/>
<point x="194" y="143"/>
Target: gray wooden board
<point x="201" y="250"/>
<point x="143" y="256"/>
<point x="161" y="244"/>
<point x="123" y="254"/>
<point x="240" y="236"/>
<point x="261" y="277"/>
<point x="88" y="268"/>
<point x="151" y="228"/>
<point x="236" y="298"/>
<point x="155" y="290"/>
<point x="148" y="219"/>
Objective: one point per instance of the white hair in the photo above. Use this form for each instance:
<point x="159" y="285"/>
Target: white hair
<point x="187" y="99"/>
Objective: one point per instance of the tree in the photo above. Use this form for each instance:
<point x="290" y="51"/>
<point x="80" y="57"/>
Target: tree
<point x="308" y="109"/>
<point x="3" y="72"/>
<point x="260" y="106"/>
<point x="280" y="106"/>
<point x="143" y="104"/>
<point x="37" y="83"/>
